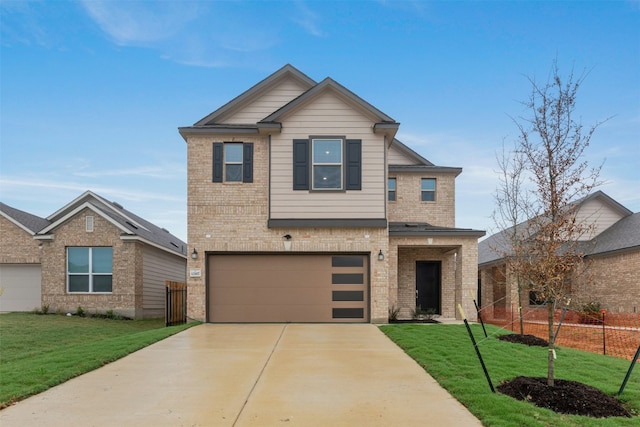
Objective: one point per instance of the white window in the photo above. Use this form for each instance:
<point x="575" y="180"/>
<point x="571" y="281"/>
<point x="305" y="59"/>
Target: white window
<point x="233" y="162"/>
<point x="391" y="189"/>
<point x="327" y="164"/>
<point x="428" y="190"/>
<point x="89" y="269"/>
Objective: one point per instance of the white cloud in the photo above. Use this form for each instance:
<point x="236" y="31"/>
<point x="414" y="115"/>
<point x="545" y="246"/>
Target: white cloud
<point x="141" y="22"/>
<point x="159" y="172"/>
<point x="308" y="19"/>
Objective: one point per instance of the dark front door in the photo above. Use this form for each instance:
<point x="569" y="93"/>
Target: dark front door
<point x="428" y="286"/>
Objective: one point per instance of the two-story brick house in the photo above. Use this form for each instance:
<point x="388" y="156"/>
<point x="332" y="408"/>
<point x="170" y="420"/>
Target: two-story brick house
<point x="303" y="207"/>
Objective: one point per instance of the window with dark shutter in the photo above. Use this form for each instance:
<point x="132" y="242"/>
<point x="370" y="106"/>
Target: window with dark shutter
<point x="354" y="164"/>
<point x="247" y="162"/>
<point x="300" y="164"/>
<point x="218" y="157"/>
<point x="232" y="162"/>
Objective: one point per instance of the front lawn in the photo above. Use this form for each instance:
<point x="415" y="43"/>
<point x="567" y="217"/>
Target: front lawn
<point x="446" y="353"/>
<point x="38" y="351"/>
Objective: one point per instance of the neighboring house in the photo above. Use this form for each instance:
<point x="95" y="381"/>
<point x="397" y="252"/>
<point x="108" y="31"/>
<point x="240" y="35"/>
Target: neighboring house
<point x="612" y="260"/>
<point x="95" y="254"/>
<point x="303" y="207"/>
<point x="20" y="271"/>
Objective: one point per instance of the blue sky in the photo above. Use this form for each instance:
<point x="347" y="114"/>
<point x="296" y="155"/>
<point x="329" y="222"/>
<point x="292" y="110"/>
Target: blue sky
<point x="92" y="93"/>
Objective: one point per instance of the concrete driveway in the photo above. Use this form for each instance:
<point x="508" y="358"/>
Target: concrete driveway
<point x="252" y="375"/>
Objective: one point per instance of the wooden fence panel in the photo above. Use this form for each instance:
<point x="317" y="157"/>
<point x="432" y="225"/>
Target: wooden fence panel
<point x="176" y="303"/>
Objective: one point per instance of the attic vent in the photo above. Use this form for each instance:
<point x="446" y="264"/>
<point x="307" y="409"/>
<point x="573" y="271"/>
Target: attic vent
<point x="131" y="224"/>
<point x="117" y="205"/>
<point x="173" y="244"/>
<point x="89" y="224"/>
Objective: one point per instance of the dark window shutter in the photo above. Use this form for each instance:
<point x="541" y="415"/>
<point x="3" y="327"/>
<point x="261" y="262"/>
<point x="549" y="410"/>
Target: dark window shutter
<point x="217" y="161"/>
<point x="353" y="163"/>
<point x="247" y="162"/>
<point x="300" y="164"/>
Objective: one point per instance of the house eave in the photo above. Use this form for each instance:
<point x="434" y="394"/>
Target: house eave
<point x="322" y="223"/>
<point x="425" y="168"/>
<point x="218" y="130"/>
<point x="131" y="238"/>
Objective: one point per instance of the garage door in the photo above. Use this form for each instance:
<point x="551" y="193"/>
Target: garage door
<point x="288" y="288"/>
<point x="20" y="285"/>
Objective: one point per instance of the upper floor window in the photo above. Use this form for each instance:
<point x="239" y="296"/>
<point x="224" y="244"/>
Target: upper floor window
<point x="327" y="164"/>
<point x="391" y="189"/>
<point x="89" y="269"/>
<point x="232" y="162"/>
<point x="428" y="189"/>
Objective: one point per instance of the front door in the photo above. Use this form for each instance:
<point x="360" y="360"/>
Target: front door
<point x="428" y="286"/>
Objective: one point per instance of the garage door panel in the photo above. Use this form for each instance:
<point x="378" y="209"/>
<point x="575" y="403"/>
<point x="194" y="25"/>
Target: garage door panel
<point x="21" y="284"/>
<point x="288" y="288"/>
<point x="264" y="296"/>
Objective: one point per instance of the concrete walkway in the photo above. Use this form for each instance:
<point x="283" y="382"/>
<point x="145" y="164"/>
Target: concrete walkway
<point x="252" y="375"/>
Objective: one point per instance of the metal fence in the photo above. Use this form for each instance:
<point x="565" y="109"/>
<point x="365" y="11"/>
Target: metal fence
<point x="176" y="303"/>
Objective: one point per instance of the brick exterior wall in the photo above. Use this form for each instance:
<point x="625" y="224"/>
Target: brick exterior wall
<point x="16" y="245"/>
<point x="409" y="207"/>
<point x="458" y="273"/>
<point x="233" y="218"/>
<point x="610" y="280"/>
<point x="613" y="281"/>
<point x="126" y="298"/>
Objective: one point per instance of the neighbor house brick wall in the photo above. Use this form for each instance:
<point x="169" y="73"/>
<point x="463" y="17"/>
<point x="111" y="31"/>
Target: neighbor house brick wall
<point x="126" y="298"/>
<point x="17" y="246"/>
<point x="613" y="281"/>
<point x="409" y="207"/>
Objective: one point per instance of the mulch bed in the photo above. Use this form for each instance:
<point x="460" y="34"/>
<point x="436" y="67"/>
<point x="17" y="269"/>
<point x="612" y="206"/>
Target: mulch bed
<point x="530" y="340"/>
<point x="566" y="397"/>
<point x="414" y="321"/>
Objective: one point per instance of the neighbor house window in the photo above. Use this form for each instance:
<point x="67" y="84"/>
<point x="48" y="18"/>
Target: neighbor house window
<point x="232" y="162"/>
<point x="89" y="269"/>
<point x="428" y="189"/>
<point x="327" y="164"/>
<point x="391" y="188"/>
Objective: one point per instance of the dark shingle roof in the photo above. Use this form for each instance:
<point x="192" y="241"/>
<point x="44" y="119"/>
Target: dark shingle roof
<point x="132" y="223"/>
<point x="624" y="234"/>
<point x="426" y="229"/>
<point x="29" y="221"/>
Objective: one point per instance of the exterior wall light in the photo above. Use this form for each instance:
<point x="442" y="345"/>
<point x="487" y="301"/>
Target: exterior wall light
<point x="380" y="255"/>
<point x="194" y="254"/>
<point x="287" y="242"/>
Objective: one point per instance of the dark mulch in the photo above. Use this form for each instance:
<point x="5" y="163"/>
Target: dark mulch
<point x="566" y="397"/>
<point x="524" y="339"/>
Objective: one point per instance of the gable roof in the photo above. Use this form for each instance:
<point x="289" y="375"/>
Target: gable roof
<point x="622" y="235"/>
<point x="28" y="222"/>
<point x="288" y="71"/>
<point x="211" y="123"/>
<point x="131" y="225"/>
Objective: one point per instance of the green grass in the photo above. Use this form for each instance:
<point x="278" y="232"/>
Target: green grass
<point x="38" y="352"/>
<point x="447" y="354"/>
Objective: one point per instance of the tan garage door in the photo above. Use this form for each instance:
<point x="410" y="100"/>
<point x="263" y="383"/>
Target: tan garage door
<point x="20" y="284"/>
<point x="288" y="288"/>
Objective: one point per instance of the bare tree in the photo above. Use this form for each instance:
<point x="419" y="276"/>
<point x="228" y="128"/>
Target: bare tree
<point x="550" y="150"/>
<point x="512" y="207"/>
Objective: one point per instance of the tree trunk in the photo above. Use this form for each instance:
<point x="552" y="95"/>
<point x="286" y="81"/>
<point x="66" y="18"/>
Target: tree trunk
<point x="520" y="305"/>
<point x="551" y="359"/>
